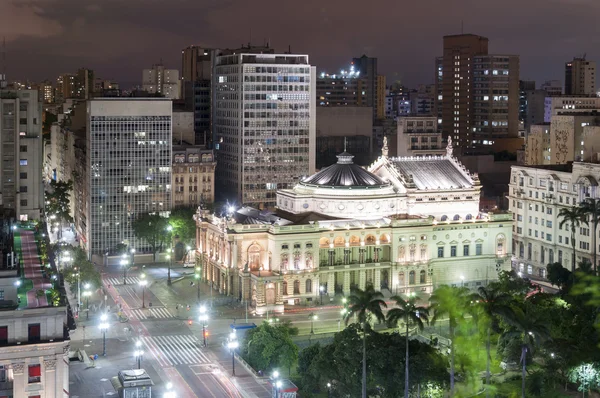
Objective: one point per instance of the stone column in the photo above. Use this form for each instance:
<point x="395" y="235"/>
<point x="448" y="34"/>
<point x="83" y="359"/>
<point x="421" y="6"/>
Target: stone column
<point x="377" y="281"/>
<point x="234" y="255"/>
<point x="346" y="283"/>
<point x="331" y="283"/>
<point x="363" y="279"/>
<point x="50" y="375"/>
<point x="19" y="383"/>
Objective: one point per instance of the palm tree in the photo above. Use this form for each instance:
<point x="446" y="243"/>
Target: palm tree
<point x="493" y="303"/>
<point x="365" y="304"/>
<point x="590" y="208"/>
<point x="451" y="302"/>
<point x="410" y="313"/>
<point x="532" y="331"/>
<point x="573" y="216"/>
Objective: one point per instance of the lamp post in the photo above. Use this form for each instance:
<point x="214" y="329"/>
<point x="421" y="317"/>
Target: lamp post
<point x="124" y="265"/>
<point x="321" y="291"/>
<point x="276" y="383"/>
<point x="87" y="293"/>
<point x="203" y="318"/>
<point x="462" y="281"/>
<point x="313" y="317"/>
<point x="78" y="289"/>
<point x="103" y="327"/>
<point x="138" y="353"/>
<point x="197" y="277"/>
<point x="343" y="313"/>
<point x="233" y="345"/>
<point x="170" y="256"/>
<point x="328" y="390"/>
<point x="143" y="282"/>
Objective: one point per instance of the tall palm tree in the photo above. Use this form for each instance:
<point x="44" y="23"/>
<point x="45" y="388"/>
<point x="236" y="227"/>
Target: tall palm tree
<point x="493" y="303"/>
<point x="365" y="304"/>
<point x="590" y="208"/>
<point x="451" y="302"/>
<point x="410" y="313"/>
<point x="532" y="331"/>
<point x="573" y="216"/>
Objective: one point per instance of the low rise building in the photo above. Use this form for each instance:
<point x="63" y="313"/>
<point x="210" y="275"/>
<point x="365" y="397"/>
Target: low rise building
<point x="536" y="196"/>
<point x="193" y="176"/>
<point x="419" y="136"/>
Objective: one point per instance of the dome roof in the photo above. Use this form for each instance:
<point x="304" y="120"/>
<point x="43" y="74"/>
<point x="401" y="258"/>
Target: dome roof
<point x="344" y="174"/>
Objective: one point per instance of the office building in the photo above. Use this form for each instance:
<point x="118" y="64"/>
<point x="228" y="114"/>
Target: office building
<point x="402" y="225"/>
<point x="159" y="80"/>
<point x="554" y="106"/>
<point x="22" y="192"/>
<point x="479" y="94"/>
<point x="419" y="136"/>
<point x="553" y="88"/>
<point x="580" y="77"/>
<point x="531" y="104"/>
<point x="537" y="194"/>
<point x="263" y="124"/>
<point x="127" y="163"/>
<point x="46" y="92"/>
<point x="65" y="87"/>
<point x="374" y="84"/>
<point x="344" y="89"/>
<point x="193" y="176"/>
<point x="422" y="101"/>
<point x="84" y="84"/>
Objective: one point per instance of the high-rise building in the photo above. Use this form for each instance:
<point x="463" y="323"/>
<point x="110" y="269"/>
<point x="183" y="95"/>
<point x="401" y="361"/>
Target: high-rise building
<point x="374" y="84"/>
<point x="46" y="92"/>
<point x="479" y="93"/>
<point x="344" y="89"/>
<point x="196" y="63"/>
<point x="126" y="169"/>
<point x="65" y="87"/>
<point x="159" y="80"/>
<point x="422" y="101"/>
<point x="84" y="84"/>
<point x="580" y="77"/>
<point x="263" y="124"/>
<point x="21" y="150"/>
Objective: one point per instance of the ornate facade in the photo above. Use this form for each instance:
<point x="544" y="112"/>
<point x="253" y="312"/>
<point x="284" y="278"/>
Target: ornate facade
<point x="402" y="225"/>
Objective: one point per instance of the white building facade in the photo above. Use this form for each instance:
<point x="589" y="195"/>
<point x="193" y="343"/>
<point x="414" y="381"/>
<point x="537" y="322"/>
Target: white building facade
<point x="536" y="196"/>
<point x="127" y="170"/>
<point x="160" y="80"/>
<point x="402" y="225"/>
<point x="263" y="124"/>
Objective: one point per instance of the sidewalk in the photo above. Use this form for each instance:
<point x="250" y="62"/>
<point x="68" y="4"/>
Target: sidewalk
<point x="33" y="281"/>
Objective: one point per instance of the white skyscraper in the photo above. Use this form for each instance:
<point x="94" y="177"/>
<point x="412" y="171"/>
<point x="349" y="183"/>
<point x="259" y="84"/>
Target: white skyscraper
<point x="263" y="124"/>
<point x="159" y="80"/>
<point x="128" y="169"/>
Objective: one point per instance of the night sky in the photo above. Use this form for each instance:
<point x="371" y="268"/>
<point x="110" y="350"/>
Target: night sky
<point x="118" y="38"/>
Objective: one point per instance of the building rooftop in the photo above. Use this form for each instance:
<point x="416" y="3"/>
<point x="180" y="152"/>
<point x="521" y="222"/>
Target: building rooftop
<point x="344" y="174"/>
<point x="432" y="173"/>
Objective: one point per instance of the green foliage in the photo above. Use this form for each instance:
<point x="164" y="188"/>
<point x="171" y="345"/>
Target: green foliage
<point x="511" y="283"/>
<point x="572" y="216"/>
<point x="408" y="312"/>
<point x="339" y="363"/>
<point x="559" y="275"/>
<point x="586" y="376"/>
<point x="365" y="304"/>
<point x="54" y="297"/>
<point x="58" y="200"/>
<point x="80" y="264"/>
<point x="152" y="228"/>
<point x="269" y="347"/>
<point x="183" y="223"/>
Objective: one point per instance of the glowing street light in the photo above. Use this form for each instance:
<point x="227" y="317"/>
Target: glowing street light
<point x="143" y="282"/>
<point x="169" y="393"/>
<point x="204" y="319"/>
<point x="138" y="353"/>
<point x="170" y="256"/>
<point x="103" y="328"/>
<point x="233" y="344"/>
<point x="321" y="291"/>
<point x="313" y="317"/>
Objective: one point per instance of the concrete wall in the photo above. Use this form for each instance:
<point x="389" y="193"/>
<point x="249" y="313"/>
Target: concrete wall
<point x="183" y="127"/>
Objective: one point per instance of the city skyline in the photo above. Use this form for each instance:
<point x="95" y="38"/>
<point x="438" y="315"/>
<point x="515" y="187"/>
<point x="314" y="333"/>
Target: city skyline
<point x="69" y="35"/>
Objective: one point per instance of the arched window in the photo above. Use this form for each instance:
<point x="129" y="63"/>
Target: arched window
<point x="444" y="218"/>
<point x="354" y="240"/>
<point x="324" y="243"/>
<point x="468" y="217"/>
<point x="308" y="286"/>
<point x="500" y="250"/>
<point x="521" y="250"/>
<point x="284" y="288"/>
<point x="370" y="240"/>
<point x="422" y="276"/>
<point x="339" y="241"/>
<point x="401" y="279"/>
<point x="411" y="278"/>
<point x="254" y="257"/>
<point x="296" y="287"/>
<point x="456" y="217"/>
<point x="384" y="239"/>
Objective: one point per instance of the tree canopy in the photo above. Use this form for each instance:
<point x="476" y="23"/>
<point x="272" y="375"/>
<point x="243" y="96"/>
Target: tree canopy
<point x="152" y="228"/>
<point x="58" y="200"/>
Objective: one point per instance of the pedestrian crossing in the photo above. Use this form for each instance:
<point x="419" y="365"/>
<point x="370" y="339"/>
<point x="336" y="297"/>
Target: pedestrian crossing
<point x="155" y="312"/>
<point x="131" y="280"/>
<point x="175" y="349"/>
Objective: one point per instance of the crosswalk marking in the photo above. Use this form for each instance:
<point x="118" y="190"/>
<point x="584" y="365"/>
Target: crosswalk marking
<point x="131" y="280"/>
<point x="176" y="349"/>
<point x="156" y="312"/>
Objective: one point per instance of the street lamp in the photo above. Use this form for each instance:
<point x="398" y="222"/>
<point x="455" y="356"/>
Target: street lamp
<point x="170" y="256"/>
<point x="321" y="291"/>
<point x="277" y="383"/>
<point x="169" y="393"/>
<point x="103" y="327"/>
<point x="462" y="281"/>
<point x="203" y="318"/>
<point x="233" y="345"/>
<point x="343" y="313"/>
<point x="313" y="317"/>
<point x="138" y="353"/>
<point x="328" y="390"/>
<point x="87" y="293"/>
<point x="143" y="283"/>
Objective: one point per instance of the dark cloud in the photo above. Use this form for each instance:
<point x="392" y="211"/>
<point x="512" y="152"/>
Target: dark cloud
<point x="118" y="38"/>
